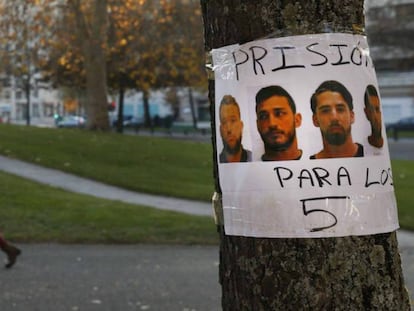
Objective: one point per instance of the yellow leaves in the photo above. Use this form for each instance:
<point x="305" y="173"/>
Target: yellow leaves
<point x="70" y="61"/>
<point x="71" y="105"/>
<point x="123" y="24"/>
<point x="62" y="61"/>
<point x="148" y="40"/>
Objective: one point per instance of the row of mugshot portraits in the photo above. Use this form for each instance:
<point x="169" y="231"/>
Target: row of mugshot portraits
<point x="277" y="121"/>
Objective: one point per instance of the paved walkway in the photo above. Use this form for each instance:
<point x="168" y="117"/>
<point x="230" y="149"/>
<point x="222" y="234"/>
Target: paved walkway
<point x="56" y="277"/>
<point x="74" y="183"/>
<point x="116" y="277"/>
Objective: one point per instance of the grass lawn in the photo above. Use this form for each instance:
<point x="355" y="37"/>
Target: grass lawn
<point x="151" y="165"/>
<point x="403" y="176"/>
<point x="401" y="134"/>
<point x="32" y="212"/>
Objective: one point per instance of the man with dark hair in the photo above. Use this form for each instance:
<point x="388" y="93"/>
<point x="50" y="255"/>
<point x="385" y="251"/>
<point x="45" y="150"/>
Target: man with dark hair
<point x="231" y="128"/>
<point x="276" y="122"/>
<point x="333" y="113"/>
<point x="373" y="113"/>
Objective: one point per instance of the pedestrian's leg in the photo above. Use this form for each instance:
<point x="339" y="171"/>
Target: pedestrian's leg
<point x="11" y="251"/>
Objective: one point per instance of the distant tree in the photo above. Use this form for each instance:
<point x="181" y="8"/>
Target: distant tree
<point x="91" y="28"/>
<point x="185" y="41"/>
<point x="182" y="61"/>
<point x="147" y="46"/>
<point x="132" y="48"/>
<point x="153" y="44"/>
<point x="119" y="45"/>
<point x="172" y="98"/>
<point x="24" y="31"/>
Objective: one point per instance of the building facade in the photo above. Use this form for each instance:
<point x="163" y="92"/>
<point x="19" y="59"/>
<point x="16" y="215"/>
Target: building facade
<point x="44" y="101"/>
<point x="390" y="29"/>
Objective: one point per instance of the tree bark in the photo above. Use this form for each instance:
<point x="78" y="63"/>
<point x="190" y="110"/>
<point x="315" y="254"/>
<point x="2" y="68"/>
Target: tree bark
<point x="347" y="273"/>
<point x="147" y="116"/>
<point x="93" y="34"/>
<point x="192" y="107"/>
<point x="27" y="88"/>
<point x="120" y="119"/>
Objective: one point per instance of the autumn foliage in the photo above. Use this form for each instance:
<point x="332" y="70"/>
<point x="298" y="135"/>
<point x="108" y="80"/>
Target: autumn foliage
<point x="128" y="44"/>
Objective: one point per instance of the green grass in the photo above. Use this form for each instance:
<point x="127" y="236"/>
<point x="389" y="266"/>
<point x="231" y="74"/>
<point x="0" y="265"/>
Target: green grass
<point x="403" y="177"/>
<point x="152" y="165"/>
<point x="32" y="212"/>
<point x="401" y="134"/>
<point x="35" y="213"/>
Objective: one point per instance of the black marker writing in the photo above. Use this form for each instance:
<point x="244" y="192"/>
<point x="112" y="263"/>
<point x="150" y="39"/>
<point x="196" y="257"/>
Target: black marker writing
<point x="384" y="177"/>
<point x="306" y="210"/>
<point x="256" y="57"/>
<point x="317" y="176"/>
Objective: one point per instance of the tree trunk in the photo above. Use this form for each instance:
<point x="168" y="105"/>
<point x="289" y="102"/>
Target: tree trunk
<point x="120" y="120"/>
<point x="28" y="104"/>
<point x="347" y="273"/>
<point x="93" y="36"/>
<point x="147" y="116"/>
<point x="96" y="71"/>
<point x="192" y="107"/>
<point x="97" y="101"/>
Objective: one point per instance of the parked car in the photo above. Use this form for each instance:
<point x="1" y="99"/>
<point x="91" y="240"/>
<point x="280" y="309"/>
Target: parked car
<point x="130" y="122"/>
<point x="402" y="125"/>
<point x="71" y="121"/>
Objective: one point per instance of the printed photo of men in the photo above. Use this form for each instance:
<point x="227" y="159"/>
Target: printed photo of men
<point x="231" y="128"/>
<point x="276" y="121"/>
<point x="333" y="113"/>
<point x="373" y="113"/>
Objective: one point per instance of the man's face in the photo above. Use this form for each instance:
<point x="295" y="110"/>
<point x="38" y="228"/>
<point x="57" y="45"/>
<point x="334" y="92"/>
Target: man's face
<point x="333" y="117"/>
<point x="373" y="114"/>
<point x="276" y="123"/>
<point x="231" y="128"/>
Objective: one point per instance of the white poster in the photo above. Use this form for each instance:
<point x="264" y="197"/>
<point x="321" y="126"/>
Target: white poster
<point x="301" y="143"/>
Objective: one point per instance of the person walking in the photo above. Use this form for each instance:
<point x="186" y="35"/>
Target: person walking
<point x="11" y="251"/>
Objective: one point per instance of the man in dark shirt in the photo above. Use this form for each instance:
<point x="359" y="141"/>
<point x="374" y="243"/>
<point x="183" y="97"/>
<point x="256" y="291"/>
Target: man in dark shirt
<point x="277" y="120"/>
<point x="231" y="128"/>
<point x="373" y="113"/>
<point x="333" y="113"/>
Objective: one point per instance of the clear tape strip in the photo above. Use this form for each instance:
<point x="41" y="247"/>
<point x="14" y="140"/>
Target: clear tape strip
<point x="217" y="205"/>
<point x="209" y="65"/>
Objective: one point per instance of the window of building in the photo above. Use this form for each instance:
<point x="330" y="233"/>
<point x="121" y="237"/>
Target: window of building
<point x="6" y="94"/>
<point x="19" y="94"/>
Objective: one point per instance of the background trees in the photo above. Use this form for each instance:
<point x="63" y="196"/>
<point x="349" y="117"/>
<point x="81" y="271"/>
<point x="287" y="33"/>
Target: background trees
<point x="23" y="36"/>
<point x="106" y="46"/>
<point x="91" y="24"/>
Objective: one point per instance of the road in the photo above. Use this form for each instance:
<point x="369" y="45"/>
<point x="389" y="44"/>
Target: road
<point x="403" y="149"/>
